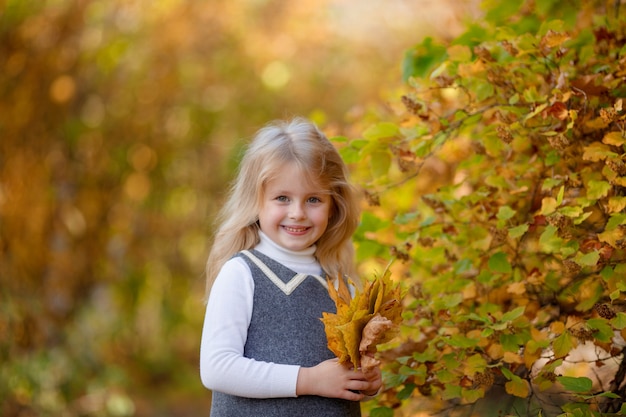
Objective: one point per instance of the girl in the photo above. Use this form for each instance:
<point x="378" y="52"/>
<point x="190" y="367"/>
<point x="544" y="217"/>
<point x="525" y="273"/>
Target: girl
<point x="287" y="224"/>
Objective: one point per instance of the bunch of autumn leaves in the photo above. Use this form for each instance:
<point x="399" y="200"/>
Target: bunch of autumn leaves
<point x="363" y="322"/>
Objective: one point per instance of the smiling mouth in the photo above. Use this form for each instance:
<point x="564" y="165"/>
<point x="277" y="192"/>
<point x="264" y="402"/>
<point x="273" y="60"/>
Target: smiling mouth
<point x="295" y="229"/>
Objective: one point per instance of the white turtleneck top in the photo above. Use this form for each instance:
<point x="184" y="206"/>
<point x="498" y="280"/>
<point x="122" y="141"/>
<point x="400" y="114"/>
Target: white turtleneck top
<point x="222" y="364"/>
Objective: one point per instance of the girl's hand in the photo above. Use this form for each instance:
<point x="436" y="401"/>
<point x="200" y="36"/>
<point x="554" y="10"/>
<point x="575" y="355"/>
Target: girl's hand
<point x="330" y="379"/>
<point x="374" y="377"/>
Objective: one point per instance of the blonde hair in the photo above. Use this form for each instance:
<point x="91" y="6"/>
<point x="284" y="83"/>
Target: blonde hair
<point x="301" y="142"/>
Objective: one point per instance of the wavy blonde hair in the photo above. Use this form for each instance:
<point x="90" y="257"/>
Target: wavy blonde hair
<point x="296" y="141"/>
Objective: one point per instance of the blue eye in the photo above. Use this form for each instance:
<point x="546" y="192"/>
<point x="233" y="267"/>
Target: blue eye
<point x="282" y="198"/>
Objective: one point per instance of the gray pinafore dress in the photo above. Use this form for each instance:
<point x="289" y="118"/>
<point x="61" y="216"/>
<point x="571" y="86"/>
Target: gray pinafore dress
<point x="285" y="328"/>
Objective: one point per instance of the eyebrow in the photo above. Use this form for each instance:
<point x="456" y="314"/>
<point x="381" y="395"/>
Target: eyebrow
<point x="313" y="194"/>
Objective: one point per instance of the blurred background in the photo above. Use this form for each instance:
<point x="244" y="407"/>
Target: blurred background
<point x="120" y="124"/>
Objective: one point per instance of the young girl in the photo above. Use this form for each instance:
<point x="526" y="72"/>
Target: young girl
<point x="286" y="226"/>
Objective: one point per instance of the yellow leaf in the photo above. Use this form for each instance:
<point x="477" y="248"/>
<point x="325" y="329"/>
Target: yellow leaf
<point x="495" y="351"/>
<point x="614" y="138"/>
<point x="596" y="124"/>
<point x="548" y="205"/>
<point x="351" y="336"/>
<point x="553" y="39"/>
<point x="518" y="387"/>
<point x="557" y="327"/>
<point x="471" y="69"/>
<point x="611" y="236"/>
<point x="517" y="288"/>
<point x="459" y="53"/>
<point x="597" y="152"/>
<point x="345" y="330"/>
<point x="512" y="357"/>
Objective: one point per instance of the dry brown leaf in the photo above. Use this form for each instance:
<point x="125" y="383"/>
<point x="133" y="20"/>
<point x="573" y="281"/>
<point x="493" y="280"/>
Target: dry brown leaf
<point x="373" y="334"/>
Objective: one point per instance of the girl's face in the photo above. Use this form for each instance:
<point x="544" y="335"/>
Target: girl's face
<point x="294" y="213"/>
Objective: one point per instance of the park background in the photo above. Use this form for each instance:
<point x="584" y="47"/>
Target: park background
<point x="120" y="122"/>
<point x="487" y="137"/>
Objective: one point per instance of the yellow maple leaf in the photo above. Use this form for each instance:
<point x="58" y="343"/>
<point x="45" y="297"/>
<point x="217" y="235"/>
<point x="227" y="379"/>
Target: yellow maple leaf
<point x="364" y="321"/>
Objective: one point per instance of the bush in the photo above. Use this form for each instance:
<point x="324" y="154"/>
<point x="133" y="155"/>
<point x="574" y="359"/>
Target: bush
<point x="500" y="185"/>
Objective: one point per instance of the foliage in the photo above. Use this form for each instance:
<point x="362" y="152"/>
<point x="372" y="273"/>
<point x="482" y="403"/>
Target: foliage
<point x="119" y="120"/>
<point x="363" y="322"/>
<point x="500" y="182"/>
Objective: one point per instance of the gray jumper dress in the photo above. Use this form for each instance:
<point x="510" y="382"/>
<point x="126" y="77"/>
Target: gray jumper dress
<point x="285" y="328"/>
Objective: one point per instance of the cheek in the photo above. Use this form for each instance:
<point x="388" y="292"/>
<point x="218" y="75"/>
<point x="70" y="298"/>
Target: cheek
<point x="324" y="216"/>
<point x="276" y="212"/>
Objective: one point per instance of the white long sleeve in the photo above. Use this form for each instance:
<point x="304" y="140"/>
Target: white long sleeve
<point x="222" y="364"/>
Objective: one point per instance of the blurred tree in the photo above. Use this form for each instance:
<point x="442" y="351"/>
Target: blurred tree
<point x="119" y="120"/>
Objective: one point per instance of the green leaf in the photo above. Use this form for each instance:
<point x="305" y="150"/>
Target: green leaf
<point x="559" y="198"/>
<point x="604" y="331"/>
<point x="350" y="155"/>
<point x="473" y="395"/>
<point x="549" y="240"/>
<point x="451" y="391"/>
<point x="381" y="131"/>
<point x="445" y="376"/>
<point x="505" y="213"/>
<point x="552" y="158"/>
<point x="381" y="412"/>
<point x="359" y="143"/>
<point x="616" y="220"/>
<point x="406" y="392"/>
<point x="619" y="321"/>
<point x="598" y="189"/>
<point x="421" y="59"/>
<point x="459" y="340"/>
<point x="499" y="12"/>
<point x="588" y="259"/>
<point x="518" y="231"/>
<point x="370" y="222"/>
<point x="426" y="356"/>
<point x="447" y="301"/>
<point x="483" y="89"/>
<point x="339" y="139"/>
<point x="499" y="263"/>
<point x="576" y="384"/>
<point x="562" y="345"/>
<point x="550" y="183"/>
<point x="608" y="395"/>
<point x="513" y="314"/>
<point x="463" y="265"/>
<point x="507" y="373"/>
<point x="379" y="163"/>
<point x="476" y="363"/>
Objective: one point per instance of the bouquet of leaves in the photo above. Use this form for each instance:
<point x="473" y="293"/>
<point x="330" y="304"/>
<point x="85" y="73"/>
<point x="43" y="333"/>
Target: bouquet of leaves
<point x="363" y="322"/>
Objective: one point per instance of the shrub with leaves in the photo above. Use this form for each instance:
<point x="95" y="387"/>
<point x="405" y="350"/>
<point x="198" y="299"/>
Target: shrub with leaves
<point x="500" y="181"/>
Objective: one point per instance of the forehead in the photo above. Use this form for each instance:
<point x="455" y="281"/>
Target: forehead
<point x="291" y="177"/>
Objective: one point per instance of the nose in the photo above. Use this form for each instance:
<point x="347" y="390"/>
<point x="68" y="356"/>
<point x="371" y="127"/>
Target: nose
<point x="296" y="211"/>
